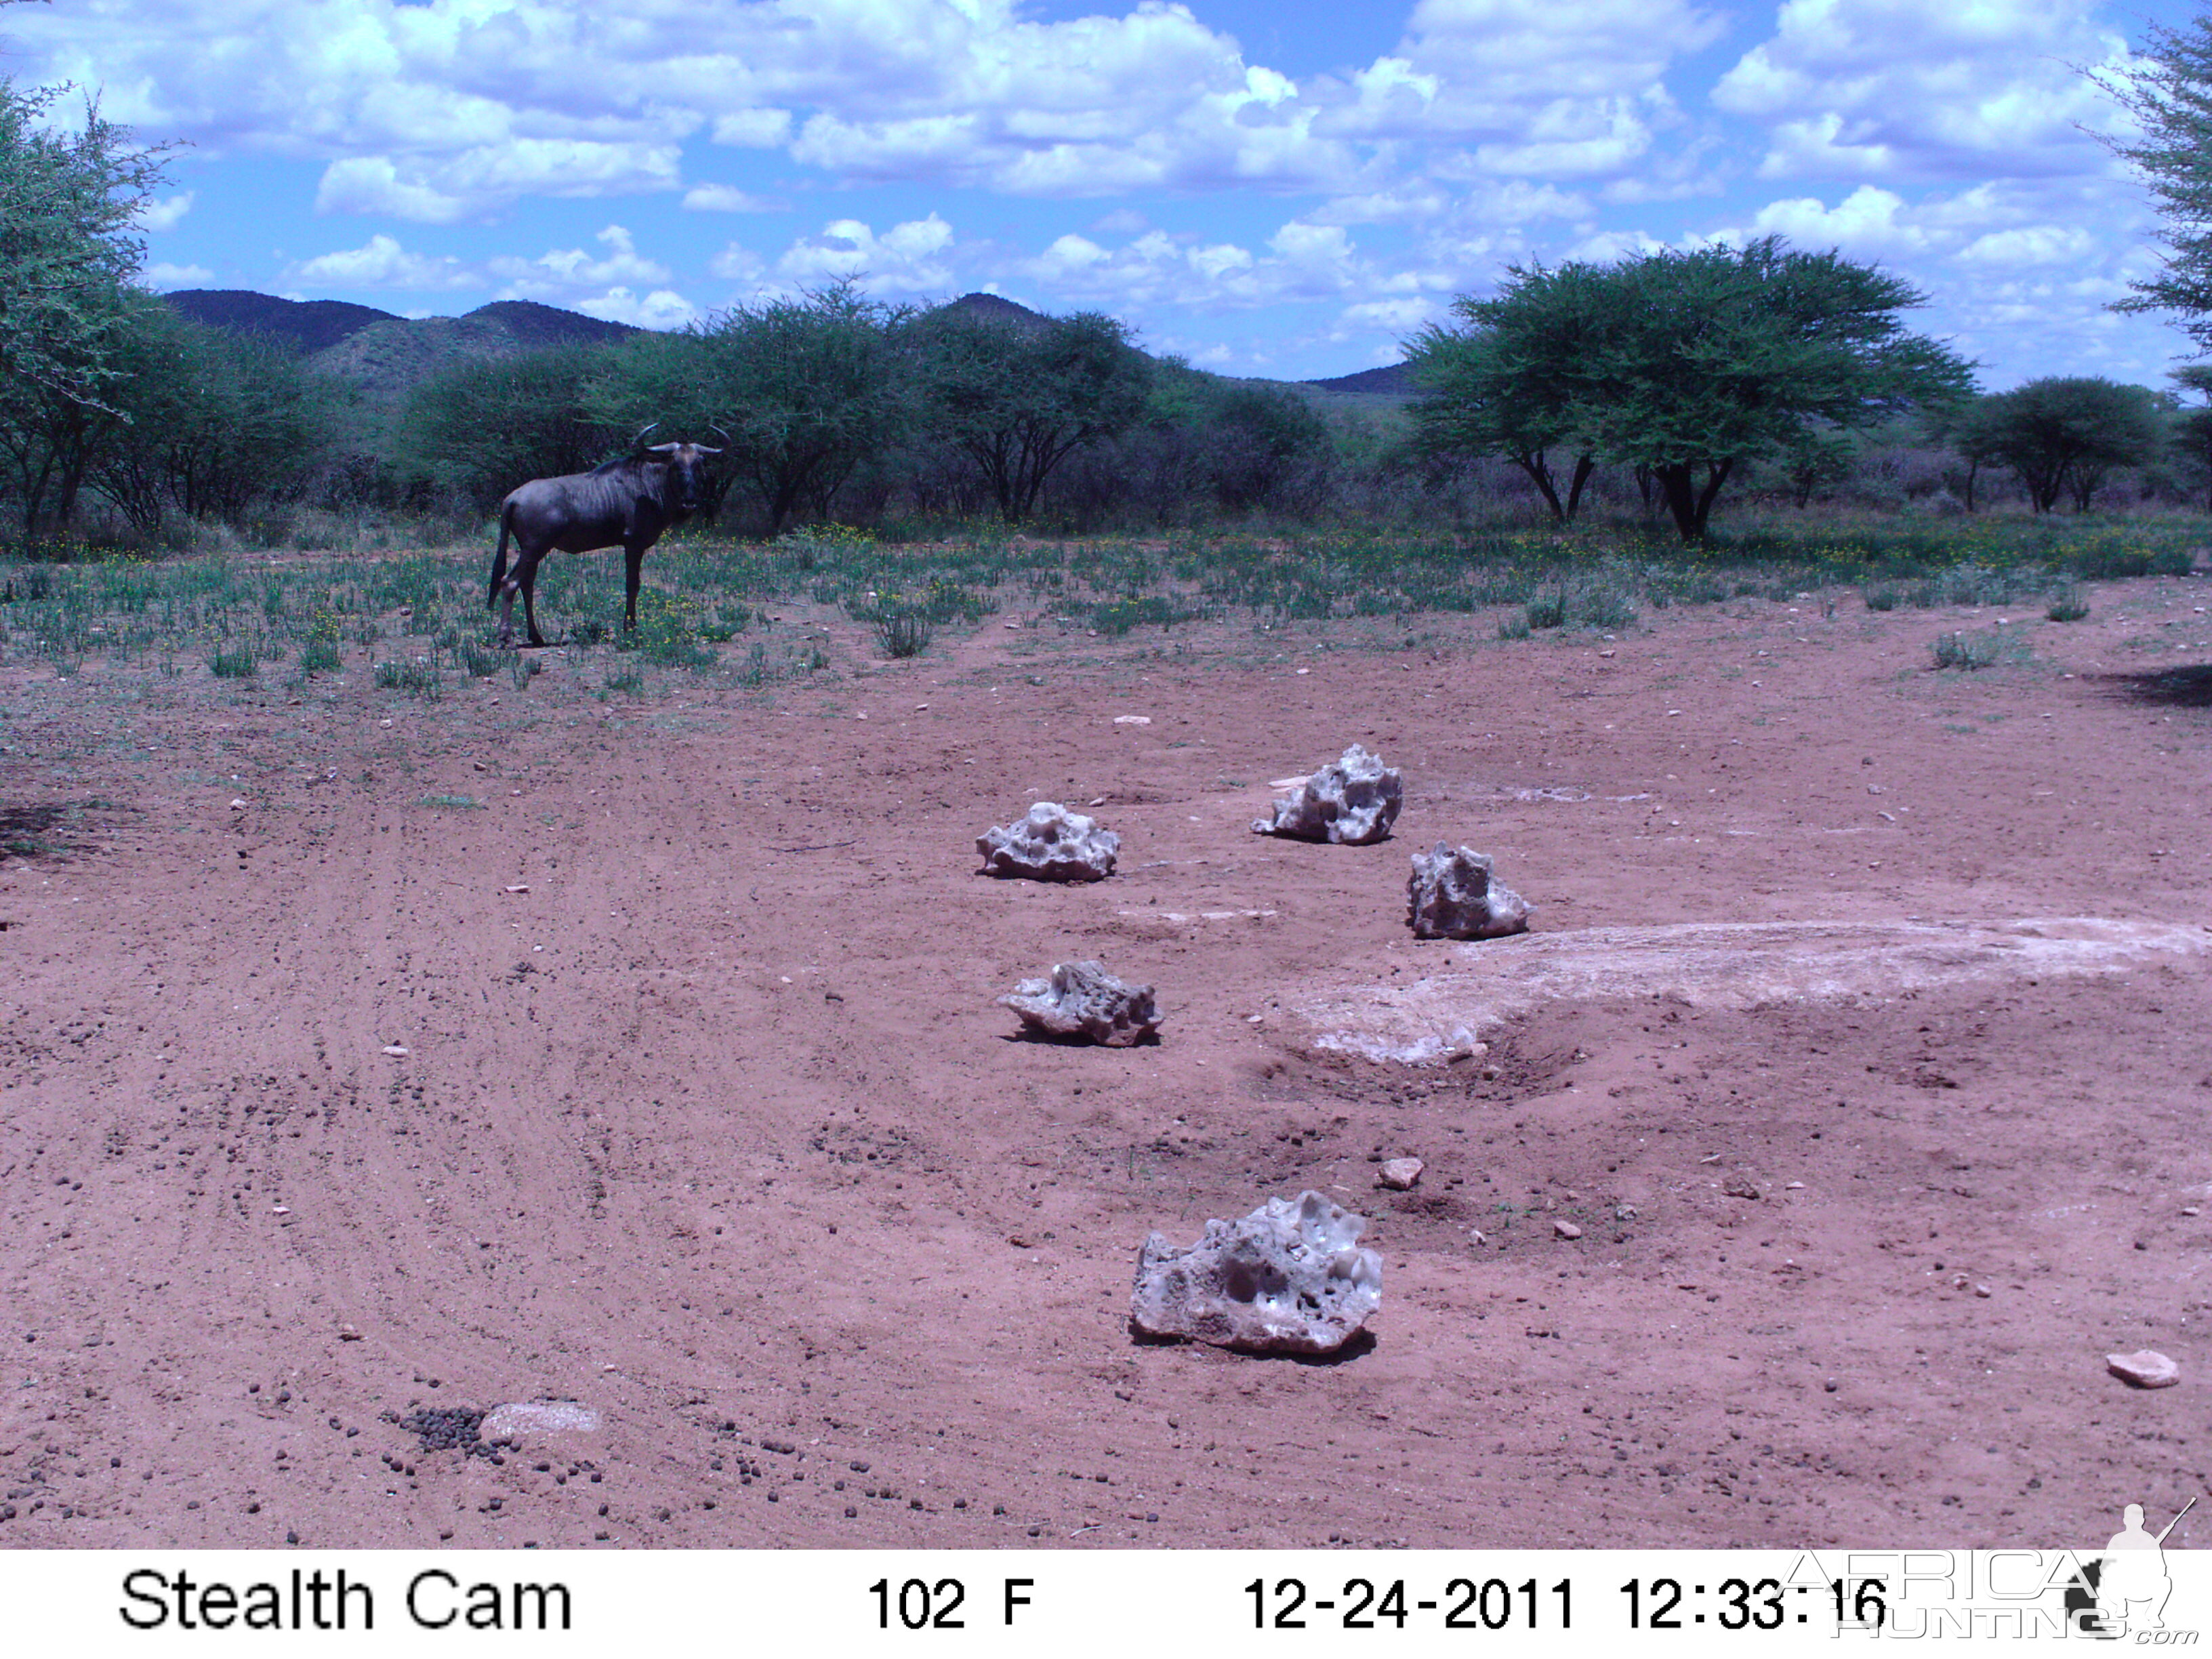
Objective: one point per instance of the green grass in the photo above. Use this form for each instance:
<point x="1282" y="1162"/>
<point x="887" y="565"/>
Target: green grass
<point x="1966" y="651"/>
<point x="2068" y="604"/>
<point x="416" y="679"/>
<point x="903" y="634"/>
<point x="427" y="608"/>
<point x="458" y="803"/>
<point x="235" y="664"/>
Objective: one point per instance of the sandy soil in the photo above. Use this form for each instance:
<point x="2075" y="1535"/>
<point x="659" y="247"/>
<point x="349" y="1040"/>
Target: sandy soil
<point x="716" y="1128"/>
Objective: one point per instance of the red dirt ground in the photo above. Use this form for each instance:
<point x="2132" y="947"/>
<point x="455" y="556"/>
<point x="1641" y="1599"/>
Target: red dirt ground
<point x="717" y="1128"/>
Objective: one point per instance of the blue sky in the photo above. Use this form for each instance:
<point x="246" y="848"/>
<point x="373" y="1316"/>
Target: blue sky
<point x="1286" y="189"/>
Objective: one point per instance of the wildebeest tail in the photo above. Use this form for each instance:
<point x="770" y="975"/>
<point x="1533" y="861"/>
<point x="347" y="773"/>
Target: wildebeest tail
<point x="499" y="558"/>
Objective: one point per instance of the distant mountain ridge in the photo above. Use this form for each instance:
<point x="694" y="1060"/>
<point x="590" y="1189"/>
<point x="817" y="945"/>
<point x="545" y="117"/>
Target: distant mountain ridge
<point x="306" y="325"/>
<point x="1391" y="380"/>
<point x="387" y="357"/>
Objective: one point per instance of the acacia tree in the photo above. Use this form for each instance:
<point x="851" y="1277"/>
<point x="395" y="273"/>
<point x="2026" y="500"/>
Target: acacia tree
<point x="2192" y="430"/>
<point x="67" y="202"/>
<point x="1017" y="396"/>
<point x="480" y="429"/>
<point x="1689" y="364"/>
<point x="2169" y="94"/>
<point x="804" y="389"/>
<point x="2064" y="434"/>
<point x="1505" y="382"/>
<point x="209" y="421"/>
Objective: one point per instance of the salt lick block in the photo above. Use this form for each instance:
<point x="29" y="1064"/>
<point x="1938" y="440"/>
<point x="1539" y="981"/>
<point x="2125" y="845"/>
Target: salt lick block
<point x="2146" y="1368"/>
<point x="1349" y="802"/>
<point x="1081" y="998"/>
<point x="536" y="1420"/>
<point x="1452" y="895"/>
<point x="1290" y="1277"/>
<point x="1049" y="844"/>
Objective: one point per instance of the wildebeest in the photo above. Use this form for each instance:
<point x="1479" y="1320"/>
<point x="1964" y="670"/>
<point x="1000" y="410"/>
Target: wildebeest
<point x="627" y="503"/>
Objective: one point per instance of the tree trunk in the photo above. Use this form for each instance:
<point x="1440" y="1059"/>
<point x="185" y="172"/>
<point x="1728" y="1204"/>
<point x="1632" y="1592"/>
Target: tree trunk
<point x="1973" y="466"/>
<point x="1532" y="463"/>
<point x="1584" y="465"/>
<point x="1691" y="506"/>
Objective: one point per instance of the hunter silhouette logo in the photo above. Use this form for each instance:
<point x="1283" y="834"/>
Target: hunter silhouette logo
<point x="2123" y="1591"/>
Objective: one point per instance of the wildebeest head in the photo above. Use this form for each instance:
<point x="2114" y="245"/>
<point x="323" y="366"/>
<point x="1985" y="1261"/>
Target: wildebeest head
<point x="685" y="486"/>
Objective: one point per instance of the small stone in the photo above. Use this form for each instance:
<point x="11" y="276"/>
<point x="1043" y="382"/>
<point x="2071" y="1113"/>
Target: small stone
<point x="2146" y="1368"/>
<point x="237" y="805"/>
<point x="1290" y="1277"/>
<point x="1741" y="1186"/>
<point x="1452" y="895"/>
<point x="1400" y="1173"/>
<point x="1476" y="1235"/>
<point x="539" y="1420"/>
<point x="1566" y="1229"/>
<point x="1981" y="1289"/>
<point x="1132" y="719"/>
<point x="520" y="887"/>
<point x="395" y="1048"/>
<point x="1350" y="802"/>
<point x="1081" y="998"/>
<point x="1049" y="844"/>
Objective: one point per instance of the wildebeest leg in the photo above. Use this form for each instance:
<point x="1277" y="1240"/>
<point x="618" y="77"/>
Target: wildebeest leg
<point x="529" y="601"/>
<point x="522" y="579"/>
<point x="633" y="563"/>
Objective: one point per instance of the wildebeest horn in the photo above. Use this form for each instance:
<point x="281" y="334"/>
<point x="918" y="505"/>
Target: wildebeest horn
<point x="638" y="442"/>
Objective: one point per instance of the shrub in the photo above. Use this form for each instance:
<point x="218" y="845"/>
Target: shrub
<point x="416" y="679"/>
<point x="1967" y="651"/>
<point x="2069" y="603"/>
<point x="903" y="633"/>
<point x="238" y="665"/>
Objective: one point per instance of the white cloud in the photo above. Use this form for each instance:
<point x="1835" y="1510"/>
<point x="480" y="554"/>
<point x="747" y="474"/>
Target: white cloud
<point x="164" y="215"/>
<point x="753" y="129"/>
<point x="161" y="276"/>
<point x="1908" y="91"/>
<point x="662" y="308"/>
<point x="478" y="183"/>
<point x="570" y="270"/>
<point x="728" y="198"/>
<point x="739" y="264"/>
<point x="1870" y="222"/>
<point x="1302" y="260"/>
<point x="910" y="258"/>
<point x="381" y="263"/>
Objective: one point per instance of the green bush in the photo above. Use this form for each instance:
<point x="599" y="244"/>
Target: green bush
<point x="416" y="679"/>
<point x="903" y="633"/>
<point x="2068" y="604"/>
<point x="235" y="664"/>
<point x="1966" y="651"/>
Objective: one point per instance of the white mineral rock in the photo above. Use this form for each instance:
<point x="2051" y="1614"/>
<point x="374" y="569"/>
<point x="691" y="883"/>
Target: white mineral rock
<point x="1452" y="895"/>
<point x="1290" y="1277"/>
<point x="535" y="1420"/>
<point x="2147" y="1368"/>
<point x="1049" y="844"/>
<point x="1081" y="998"/>
<point x="1399" y="1174"/>
<point x="1350" y="801"/>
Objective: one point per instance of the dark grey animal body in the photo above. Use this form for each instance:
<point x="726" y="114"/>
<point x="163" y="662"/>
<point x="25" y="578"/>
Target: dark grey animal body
<point x="626" y="503"/>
